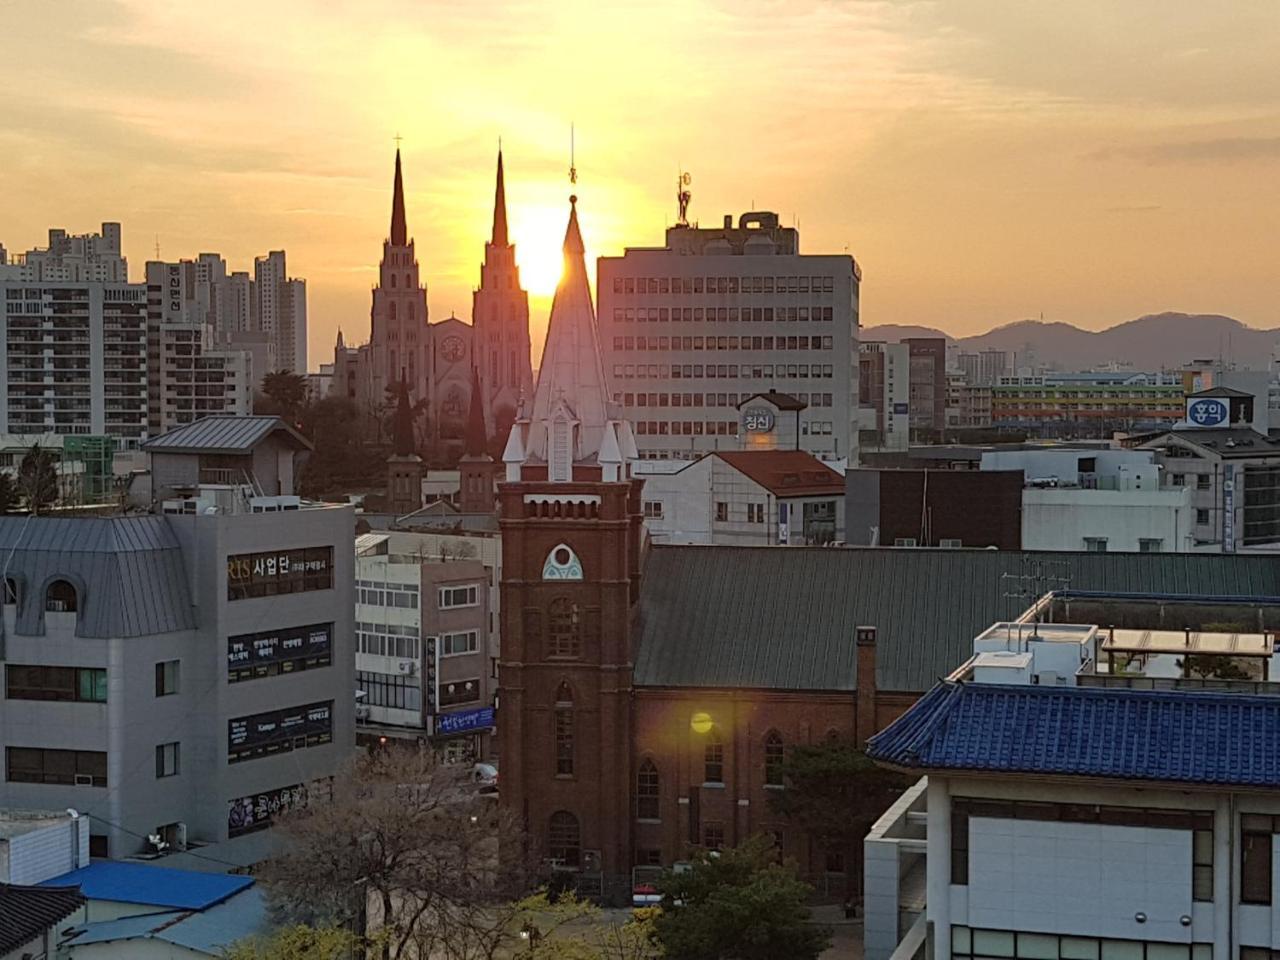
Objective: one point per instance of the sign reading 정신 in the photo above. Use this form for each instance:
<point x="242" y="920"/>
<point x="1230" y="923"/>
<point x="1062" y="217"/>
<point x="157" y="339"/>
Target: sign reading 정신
<point x="758" y="420"/>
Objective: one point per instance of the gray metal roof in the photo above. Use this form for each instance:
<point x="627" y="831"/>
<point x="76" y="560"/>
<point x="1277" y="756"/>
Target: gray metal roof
<point x="222" y="434"/>
<point x="129" y="572"/>
<point x="784" y="618"/>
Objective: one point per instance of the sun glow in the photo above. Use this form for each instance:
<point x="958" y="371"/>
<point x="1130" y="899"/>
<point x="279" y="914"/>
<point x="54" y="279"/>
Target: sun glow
<point x="538" y="233"/>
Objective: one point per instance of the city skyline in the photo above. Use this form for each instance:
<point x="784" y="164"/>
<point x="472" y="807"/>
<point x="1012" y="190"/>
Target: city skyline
<point x="977" y="180"/>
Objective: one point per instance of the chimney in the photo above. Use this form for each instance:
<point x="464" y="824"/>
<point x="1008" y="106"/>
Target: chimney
<point x="728" y="221"/>
<point x="866" y="705"/>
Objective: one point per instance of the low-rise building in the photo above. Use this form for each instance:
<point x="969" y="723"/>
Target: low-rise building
<point x="1089" y="790"/>
<point x="36" y="845"/>
<point x="1087" y="404"/>
<point x="744" y="497"/>
<point x="30" y="917"/>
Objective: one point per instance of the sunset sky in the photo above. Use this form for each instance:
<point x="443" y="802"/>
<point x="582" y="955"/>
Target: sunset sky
<point x="984" y="160"/>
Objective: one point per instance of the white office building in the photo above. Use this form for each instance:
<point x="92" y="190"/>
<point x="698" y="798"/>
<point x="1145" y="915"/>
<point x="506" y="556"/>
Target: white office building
<point x="689" y="329"/>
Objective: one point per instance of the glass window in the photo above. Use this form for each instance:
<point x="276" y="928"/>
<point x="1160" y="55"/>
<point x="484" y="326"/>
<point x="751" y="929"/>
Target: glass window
<point x="564" y="839"/>
<point x="167" y="759"/>
<point x="774" y="756"/>
<point x="1121" y="950"/>
<point x="647" y="797"/>
<point x="166" y="678"/>
<point x="564" y="731"/>
<point x="565" y="629"/>
<point x="451" y="597"/>
<point x="1202" y="858"/>
<point x="994" y="943"/>
<point x="1037" y="946"/>
<point x="1255" y="859"/>
<point x="713" y="835"/>
<point x="1079" y="948"/>
<point x="713" y="759"/>
<point x="960" y="843"/>
<point x="961" y="940"/>
<point x="459" y="643"/>
<point x="459" y="691"/>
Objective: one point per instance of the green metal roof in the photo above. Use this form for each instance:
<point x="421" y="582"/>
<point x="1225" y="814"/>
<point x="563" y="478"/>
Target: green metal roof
<point x="784" y="617"/>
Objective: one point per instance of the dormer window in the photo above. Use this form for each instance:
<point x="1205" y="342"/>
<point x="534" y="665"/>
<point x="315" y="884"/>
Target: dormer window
<point x="60" y="597"/>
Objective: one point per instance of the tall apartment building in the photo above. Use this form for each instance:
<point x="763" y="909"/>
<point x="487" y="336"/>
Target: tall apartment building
<point x="690" y="329"/>
<point x="73" y="359"/>
<point x="186" y="673"/>
<point x="984" y="367"/>
<point x="884" y="378"/>
<point x="191" y="376"/>
<point x="73" y="258"/>
<point x="927" y="385"/>
<point x="281" y="308"/>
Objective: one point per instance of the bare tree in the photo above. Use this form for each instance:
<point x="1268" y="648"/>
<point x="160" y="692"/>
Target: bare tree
<point x="408" y="849"/>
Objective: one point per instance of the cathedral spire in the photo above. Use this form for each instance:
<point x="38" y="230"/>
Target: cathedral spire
<point x="477" y="440"/>
<point x="500" y="209"/>
<point x="399" y="232"/>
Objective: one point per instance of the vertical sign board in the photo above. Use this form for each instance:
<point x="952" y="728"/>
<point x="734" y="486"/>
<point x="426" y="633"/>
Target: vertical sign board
<point x="1228" y="508"/>
<point x="784" y="525"/>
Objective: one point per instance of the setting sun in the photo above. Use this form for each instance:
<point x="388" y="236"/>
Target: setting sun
<point x="538" y="233"/>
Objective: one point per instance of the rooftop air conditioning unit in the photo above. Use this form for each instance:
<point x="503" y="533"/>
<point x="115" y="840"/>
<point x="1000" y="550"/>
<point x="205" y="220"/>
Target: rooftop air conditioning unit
<point x="362" y="712"/>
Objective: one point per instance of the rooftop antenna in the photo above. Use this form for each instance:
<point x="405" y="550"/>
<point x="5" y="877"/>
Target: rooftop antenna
<point x="573" y="170"/>
<point x="683" y="196"/>
<point x="1038" y="579"/>
<point x="157" y="246"/>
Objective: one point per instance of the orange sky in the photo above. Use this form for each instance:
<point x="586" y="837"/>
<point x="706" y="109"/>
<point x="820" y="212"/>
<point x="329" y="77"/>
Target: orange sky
<point x="985" y="160"/>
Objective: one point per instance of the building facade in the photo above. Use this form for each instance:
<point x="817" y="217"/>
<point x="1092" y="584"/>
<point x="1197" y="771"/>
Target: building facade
<point x="715" y="315"/>
<point x="1087" y="403"/>
<point x="71" y="258"/>
<point x="884" y="399"/>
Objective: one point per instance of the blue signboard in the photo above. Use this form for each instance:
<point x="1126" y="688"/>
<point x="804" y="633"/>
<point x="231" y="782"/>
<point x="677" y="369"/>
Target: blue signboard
<point x="1207" y="412"/>
<point x="464" y="721"/>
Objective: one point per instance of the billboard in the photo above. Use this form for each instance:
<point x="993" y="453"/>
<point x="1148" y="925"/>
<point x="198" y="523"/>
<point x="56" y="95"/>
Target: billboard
<point x="272" y="652"/>
<point x="1207" y="412"/>
<point x="464" y="721"/>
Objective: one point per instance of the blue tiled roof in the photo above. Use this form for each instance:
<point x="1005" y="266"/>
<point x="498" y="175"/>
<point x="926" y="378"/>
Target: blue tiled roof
<point x="1168" y="736"/>
<point x="153" y="886"/>
<point x="207" y="932"/>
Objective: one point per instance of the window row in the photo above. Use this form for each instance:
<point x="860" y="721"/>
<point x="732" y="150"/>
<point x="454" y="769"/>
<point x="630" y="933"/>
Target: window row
<point x="456" y="692"/>
<point x="686" y="428"/>
<point x="389" y="690"/>
<point x="83" y="684"/>
<point x="87" y="768"/>
<point x="689" y="371"/>
<point x="722" y="314"/>
<point x="682" y="285"/>
<point x="664" y="399"/>
<point x="648" y="782"/>
<point x="1007" y="945"/>
<point x="405" y="599"/>
<point x="722" y="343"/>
<point x="381" y="641"/>
<point x="466" y="596"/>
<point x="456" y="644"/>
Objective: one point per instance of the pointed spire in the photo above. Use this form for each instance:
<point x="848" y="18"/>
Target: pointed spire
<point x="477" y="441"/>
<point x="399" y="232"/>
<point x="500" y="208"/>
<point x="341" y="343"/>
<point x="573" y="245"/>
<point x="402" y="444"/>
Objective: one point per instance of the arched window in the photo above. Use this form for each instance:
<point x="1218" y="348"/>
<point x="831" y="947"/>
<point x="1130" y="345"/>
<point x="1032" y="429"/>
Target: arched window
<point x="392" y="310"/>
<point x="564" y="731"/>
<point x="60" y="597"/>
<point x="413" y="314"/>
<point x="393" y="280"/>
<point x="408" y="281"/>
<point x="564" y="839"/>
<point x="713" y="758"/>
<point x="647" y="791"/>
<point x="566" y="636"/>
<point x="773" y="758"/>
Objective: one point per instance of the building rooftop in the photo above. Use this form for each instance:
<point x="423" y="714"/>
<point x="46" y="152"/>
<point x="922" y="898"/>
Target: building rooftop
<point x="152" y="886"/>
<point x="14" y="823"/>
<point x="129" y="572"/>
<point x="206" y="931"/>
<point x="783" y="401"/>
<point x="712" y="616"/>
<point x="27" y="912"/>
<point x="1226" y="442"/>
<point x="1157" y="736"/>
<point x="224" y="434"/>
<point x="1189" y="642"/>
<point x="785" y="473"/>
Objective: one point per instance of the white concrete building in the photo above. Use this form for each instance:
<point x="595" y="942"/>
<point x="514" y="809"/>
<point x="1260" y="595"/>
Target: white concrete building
<point x="1097" y="499"/>
<point x="38" y="845"/>
<point x="76" y="258"/>
<point x="744" y="498"/>
<point x="689" y="329"/>
<point x="1041" y="831"/>
<point x="73" y="359"/>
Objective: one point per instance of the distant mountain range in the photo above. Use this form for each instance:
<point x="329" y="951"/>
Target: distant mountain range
<point x="1156" y="341"/>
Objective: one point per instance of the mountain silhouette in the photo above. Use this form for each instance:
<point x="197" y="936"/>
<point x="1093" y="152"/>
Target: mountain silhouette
<point x="1154" y="342"/>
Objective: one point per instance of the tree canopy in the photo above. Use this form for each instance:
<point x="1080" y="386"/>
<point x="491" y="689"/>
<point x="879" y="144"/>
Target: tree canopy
<point x="285" y="394"/>
<point x="738" y="904"/>
<point x="38" y="479"/>
<point x="296" y="942"/>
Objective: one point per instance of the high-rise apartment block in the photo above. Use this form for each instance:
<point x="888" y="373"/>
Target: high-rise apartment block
<point x="78" y="258"/>
<point x="690" y="329"/>
<point x="281" y="305"/>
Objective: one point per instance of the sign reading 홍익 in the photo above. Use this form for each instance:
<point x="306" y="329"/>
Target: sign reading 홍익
<point x="464" y="721"/>
<point x="1207" y="412"/>
<point x="758" y="420"/>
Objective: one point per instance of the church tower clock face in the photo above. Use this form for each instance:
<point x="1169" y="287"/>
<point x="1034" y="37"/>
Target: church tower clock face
<point x="453" y="349"/>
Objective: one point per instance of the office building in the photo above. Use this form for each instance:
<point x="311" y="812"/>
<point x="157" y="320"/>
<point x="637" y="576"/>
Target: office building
<point x="927" y="383"/>
<point x="691" y="328"/>
<point x="1098" y="780"/>
<point x="187" y="673"/>
<point x="74" y="359"/>
<point x="884" y="399"/>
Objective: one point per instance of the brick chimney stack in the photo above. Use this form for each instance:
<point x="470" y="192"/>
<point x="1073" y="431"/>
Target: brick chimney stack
<point x="866" y="715"/>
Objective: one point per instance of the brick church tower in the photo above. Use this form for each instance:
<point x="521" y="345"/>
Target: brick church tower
<point x="571" y="536"/>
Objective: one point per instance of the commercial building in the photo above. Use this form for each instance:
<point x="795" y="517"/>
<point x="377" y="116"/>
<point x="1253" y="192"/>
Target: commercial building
<point x="689" y="329"/>
<point x="927" y="382"/>
<point x="183" y="674"/>
<point x="1087" y="403"/>
<point x="426" y="649"/>
<point x="1232" y="471"/>
<point x="1089" y="789"/>
<point x="884" y="397"/>
<point x="743" y="497"/>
